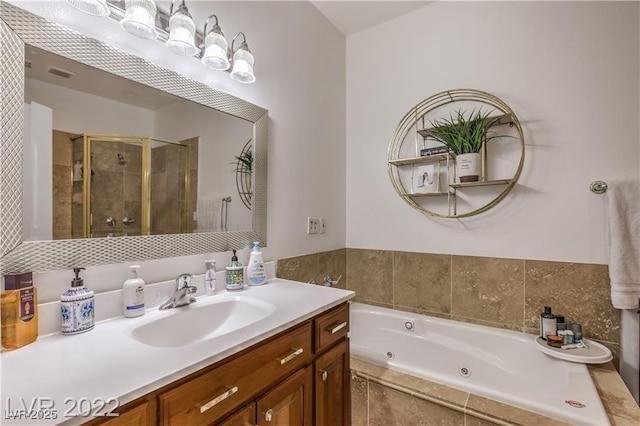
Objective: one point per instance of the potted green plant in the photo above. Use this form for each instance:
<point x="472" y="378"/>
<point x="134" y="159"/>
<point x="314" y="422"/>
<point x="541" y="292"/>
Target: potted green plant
<point x="464" y="138"/>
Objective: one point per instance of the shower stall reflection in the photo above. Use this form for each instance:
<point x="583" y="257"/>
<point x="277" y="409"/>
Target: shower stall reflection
<point x="136" y="186"/>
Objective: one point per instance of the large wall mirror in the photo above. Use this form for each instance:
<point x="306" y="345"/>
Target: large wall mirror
<point x="108" y="158"/>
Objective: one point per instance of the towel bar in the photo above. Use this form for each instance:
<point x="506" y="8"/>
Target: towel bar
<point x="598" y="187"/>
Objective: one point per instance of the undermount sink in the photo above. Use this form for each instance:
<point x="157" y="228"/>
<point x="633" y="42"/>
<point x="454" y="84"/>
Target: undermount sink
<point x="201" y="321"/>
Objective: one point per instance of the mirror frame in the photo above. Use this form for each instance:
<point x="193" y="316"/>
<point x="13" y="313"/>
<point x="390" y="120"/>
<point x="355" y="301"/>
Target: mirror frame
<point x="19" y="28"/>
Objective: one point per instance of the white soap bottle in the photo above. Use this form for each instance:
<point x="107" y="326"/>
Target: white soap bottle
<point x="133" y="293"/>
<point x="210" y="276"/>
<point x="255" y="269"/>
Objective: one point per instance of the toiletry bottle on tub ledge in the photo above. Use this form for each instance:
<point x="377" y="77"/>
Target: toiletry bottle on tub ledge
<point x="548" y="325"/>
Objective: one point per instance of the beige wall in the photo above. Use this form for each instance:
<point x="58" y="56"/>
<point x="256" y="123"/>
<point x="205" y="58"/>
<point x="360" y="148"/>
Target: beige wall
<point x="497" y="292"/>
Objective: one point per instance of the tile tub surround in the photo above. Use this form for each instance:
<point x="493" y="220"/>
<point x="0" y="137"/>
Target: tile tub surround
<point x="315" y="267"/>
<point x="496" y="292"/>
<point x="382" y="396"/>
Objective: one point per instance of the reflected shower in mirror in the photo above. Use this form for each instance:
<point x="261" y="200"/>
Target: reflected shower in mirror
<point x="159" y="164"/>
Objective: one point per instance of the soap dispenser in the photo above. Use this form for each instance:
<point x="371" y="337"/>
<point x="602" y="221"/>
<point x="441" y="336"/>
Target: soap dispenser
<point x="255" y="269"/>
<point x="234" y="274"/>
<point x="77" y="307"/>
<point x="133" y="294"/>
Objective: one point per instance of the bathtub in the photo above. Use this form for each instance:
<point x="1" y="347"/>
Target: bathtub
<point x="498" y="364"/>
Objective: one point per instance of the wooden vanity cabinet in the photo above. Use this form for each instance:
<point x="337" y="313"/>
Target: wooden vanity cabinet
<point x="332" y="385"/>
<point x="136" y="415"/>
<point x="289" y="403"/>
<point x="244" y="417"/>
<point x="298" y="378"/>
<point x="207" y="398"/>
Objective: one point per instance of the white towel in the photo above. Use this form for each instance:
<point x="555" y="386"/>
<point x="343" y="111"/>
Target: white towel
<point x="623" y="208"/>
<point x="207" y="214"/>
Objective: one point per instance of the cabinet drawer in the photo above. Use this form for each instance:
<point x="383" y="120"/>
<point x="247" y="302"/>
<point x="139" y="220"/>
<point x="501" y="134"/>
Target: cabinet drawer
<point x="208" y="397"/>
<point x="331" y="327"/>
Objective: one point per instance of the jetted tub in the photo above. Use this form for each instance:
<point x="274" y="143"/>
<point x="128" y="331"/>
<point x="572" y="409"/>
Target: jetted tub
<point x="499" y="364"/>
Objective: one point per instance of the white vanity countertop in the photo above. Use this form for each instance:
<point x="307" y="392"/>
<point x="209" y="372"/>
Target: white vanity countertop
<point x="60" y="371"/>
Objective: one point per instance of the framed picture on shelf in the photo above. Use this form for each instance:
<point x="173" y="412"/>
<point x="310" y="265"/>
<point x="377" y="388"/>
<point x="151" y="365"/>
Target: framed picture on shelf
<point x="426" y="178"/>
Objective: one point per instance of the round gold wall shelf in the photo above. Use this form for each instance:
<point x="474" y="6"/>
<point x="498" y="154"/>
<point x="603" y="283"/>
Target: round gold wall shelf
<point x="426" y="180"/>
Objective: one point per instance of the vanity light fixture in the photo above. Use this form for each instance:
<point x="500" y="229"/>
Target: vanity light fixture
<point x="92" y="7"/>
<point x="177" y="30"/>
<point x="215" y="54"/>
<point x="140" y="18"/>
<point x="182" y="31"/>
<point x="242" y="70"/>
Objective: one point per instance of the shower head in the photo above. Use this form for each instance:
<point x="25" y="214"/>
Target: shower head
<point x="121" y="159"/>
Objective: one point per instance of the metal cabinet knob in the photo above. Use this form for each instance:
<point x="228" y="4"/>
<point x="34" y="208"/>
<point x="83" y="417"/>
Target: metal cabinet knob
<point x="268" y="415"/>
<point x="111" y="221"/>
<point x="324" y="376"/>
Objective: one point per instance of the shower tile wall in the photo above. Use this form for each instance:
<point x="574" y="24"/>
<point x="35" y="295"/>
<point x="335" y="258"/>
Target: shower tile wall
<point x="168" y="199"/>
<point x="504" y="293"/>
<point x="193" y="182"/>
<point x="77" y="221"/>
<point x="62" y="184"/>
<point x="115" y="188"/>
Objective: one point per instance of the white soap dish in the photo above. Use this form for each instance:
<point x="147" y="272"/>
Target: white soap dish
<point x="596" y="353"/>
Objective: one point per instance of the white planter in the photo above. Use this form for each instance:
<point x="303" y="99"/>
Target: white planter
<point x="468" y="167"/>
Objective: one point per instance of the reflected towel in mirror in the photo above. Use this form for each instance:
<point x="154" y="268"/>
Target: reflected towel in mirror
<point x="207" y="214"/>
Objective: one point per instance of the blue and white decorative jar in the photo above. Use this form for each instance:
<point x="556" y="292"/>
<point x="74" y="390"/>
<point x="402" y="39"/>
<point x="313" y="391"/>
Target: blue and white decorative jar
<point x="77" y="307"/>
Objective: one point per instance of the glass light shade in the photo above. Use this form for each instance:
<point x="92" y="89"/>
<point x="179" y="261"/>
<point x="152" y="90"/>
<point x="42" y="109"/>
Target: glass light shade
<point x="182" y="35"/>
<point x="140" y="18"/>
<point x="215" y="52"/>
<point x="243" y="66"/>
<point x="92" y="7"/>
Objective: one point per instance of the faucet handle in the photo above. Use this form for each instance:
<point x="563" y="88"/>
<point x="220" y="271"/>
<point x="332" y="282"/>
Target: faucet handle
<point x="183" y="280"/>
<point x="330" y="282"/>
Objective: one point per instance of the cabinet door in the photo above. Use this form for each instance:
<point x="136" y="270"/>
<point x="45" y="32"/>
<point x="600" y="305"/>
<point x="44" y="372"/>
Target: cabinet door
<point x="289" y="403"/>
<point x="136" y="416"/>
<point x="244" y="417"/>
<point x="332" y="387"/>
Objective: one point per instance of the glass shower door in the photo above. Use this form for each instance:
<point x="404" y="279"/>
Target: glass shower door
<point x="113" y="190"/>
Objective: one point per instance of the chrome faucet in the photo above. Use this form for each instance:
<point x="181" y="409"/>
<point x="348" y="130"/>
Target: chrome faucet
<point x="182" y="294"/>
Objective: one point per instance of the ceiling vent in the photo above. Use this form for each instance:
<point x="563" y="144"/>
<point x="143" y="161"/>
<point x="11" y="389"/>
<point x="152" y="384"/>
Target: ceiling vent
<point x="60" y="72"/>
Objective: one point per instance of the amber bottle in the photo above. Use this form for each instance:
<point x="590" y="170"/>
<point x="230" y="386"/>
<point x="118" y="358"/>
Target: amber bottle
<point x="18" y="312"/>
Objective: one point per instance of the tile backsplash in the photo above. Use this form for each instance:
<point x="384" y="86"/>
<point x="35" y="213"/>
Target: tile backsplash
<point x="497" y="292"/>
